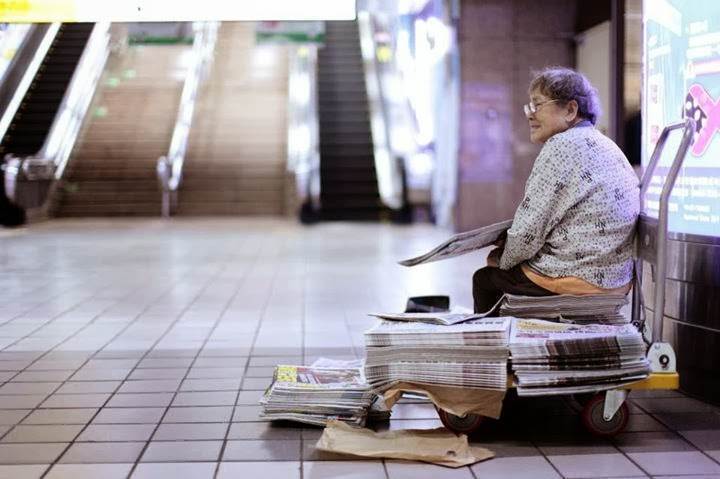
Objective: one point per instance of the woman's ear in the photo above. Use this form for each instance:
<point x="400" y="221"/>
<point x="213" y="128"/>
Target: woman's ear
<point x="571" y="111"/>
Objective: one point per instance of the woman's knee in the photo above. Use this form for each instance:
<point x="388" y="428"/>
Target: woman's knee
<point x="481" y="279"/>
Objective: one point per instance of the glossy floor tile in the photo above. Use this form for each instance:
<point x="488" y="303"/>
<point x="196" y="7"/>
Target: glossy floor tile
<point x="139" y="348"/>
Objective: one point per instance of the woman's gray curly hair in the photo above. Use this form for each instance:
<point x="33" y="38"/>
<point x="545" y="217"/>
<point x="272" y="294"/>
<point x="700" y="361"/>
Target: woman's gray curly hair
<point x="564" y="84"/>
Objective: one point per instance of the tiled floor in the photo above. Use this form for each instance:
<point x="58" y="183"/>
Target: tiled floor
<point x="140" y="348"/>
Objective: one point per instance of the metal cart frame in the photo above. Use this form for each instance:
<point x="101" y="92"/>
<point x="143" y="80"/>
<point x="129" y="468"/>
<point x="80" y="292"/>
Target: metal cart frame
<point x="606" y="413"/>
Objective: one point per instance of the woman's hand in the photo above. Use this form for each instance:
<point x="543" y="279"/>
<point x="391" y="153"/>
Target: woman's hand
<point x="493" y="258"/>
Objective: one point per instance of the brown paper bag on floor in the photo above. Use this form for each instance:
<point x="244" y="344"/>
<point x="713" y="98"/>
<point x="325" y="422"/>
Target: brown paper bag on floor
<point x="456" y="400"/>
<point x="436" y="446"/>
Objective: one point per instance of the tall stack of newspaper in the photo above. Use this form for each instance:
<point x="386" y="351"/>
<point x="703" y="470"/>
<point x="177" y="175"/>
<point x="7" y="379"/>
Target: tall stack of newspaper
<point x="585" y="309"/>
<point x="558" y="358"/>
<point x="472" y="354"/>
<point x="314" y="395"/>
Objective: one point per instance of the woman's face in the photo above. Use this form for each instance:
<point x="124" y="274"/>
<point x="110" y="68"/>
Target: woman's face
<point x="549" y="118"/>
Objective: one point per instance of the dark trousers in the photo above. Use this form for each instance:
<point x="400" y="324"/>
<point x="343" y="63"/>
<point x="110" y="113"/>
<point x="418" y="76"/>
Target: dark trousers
<point x="489" y="284"/>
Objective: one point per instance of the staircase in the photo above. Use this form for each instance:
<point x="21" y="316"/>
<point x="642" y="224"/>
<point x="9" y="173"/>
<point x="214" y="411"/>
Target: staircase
<point x="112" y="171"/>
<point x="349" y="189"/>
<point x="29" y="127"/>
<point x="237" y="151"/>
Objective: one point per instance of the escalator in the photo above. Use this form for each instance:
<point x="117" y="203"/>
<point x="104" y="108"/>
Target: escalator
<point x="33" y="119"/>
<point x="35" y="115"/>
<point x="348" y="181"/>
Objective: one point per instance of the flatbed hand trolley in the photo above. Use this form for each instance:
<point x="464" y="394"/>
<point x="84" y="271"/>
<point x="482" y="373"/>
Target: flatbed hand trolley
<point x="605" y="413"/>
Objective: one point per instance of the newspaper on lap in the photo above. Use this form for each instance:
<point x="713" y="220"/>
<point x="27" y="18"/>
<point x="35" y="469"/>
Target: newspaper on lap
<point x="558" y="358"/>
<point x="584" y="309"/>
<point x="595" y="308"/>
<point x="462" y="243"/>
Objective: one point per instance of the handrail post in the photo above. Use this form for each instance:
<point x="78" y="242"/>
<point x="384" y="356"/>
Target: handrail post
<point x="163" y="174"/>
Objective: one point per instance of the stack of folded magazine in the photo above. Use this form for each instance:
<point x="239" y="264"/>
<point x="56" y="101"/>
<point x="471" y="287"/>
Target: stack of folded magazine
<point x="559" y="358"/>
<point x="314" y="395"/>
<point x="585" y="309"/>
<point x="472" y="354"/>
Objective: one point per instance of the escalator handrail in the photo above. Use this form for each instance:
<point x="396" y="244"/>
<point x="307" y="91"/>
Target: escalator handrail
<point x="303" y="142"/>
<point x="67" y="123"/>
<point x="387" y="167"/>
<point x="170" y="166"/>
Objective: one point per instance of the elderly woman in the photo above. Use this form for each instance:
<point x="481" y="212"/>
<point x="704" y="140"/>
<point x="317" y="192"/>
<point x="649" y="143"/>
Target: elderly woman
<point x="572" y="233"/>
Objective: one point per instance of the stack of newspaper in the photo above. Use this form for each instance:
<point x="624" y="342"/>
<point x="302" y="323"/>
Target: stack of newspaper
<point x="558" y="358"/>
<point x="314" y="395"/>
<point x="592" y="308"/>
<point x="472" y="354"/>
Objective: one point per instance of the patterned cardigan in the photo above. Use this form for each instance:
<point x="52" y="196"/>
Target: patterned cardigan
<point x="579" y="211"/>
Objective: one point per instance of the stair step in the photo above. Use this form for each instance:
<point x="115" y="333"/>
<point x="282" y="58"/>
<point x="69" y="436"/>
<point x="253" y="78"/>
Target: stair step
<point x="110" y="197"/>
<point x="125" y="185"/>
<point x="223" y="208"/>
<point x="116" y="209"/>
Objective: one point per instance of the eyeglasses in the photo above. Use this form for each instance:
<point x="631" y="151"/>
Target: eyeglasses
<point x="532" y="107"/>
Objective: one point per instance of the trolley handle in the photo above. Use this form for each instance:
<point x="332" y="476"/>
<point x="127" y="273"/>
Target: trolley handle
<point x="688" y="127"/>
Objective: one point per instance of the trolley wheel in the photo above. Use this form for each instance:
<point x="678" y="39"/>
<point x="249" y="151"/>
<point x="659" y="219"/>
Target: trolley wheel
<point x="595" y="423"/>
<point x="461" y="424"/>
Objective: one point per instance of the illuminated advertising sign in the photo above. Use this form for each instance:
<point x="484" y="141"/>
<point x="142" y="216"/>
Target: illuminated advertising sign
<point x="682" y="79"/>
<point x="33" y="11"/>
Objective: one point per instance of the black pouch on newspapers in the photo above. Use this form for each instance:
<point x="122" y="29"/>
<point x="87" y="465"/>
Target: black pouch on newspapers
<point x="428" y="304"/>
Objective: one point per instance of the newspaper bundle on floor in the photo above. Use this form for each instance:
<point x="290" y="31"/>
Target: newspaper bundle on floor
<point x="558" y="358"/>
<point x="585" y="309"/>
<point x="462" y="243"/>
<point x="432" y="358"/>
<point x="314" y="395"/>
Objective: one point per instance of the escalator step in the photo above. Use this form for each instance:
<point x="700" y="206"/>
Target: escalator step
<point x="347" y="168"/>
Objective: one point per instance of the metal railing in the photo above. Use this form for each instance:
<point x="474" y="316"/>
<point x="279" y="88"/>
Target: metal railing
<point x="660" y="260"/>
<point x="170" y="166"/>
<point x="48" y="164"/>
